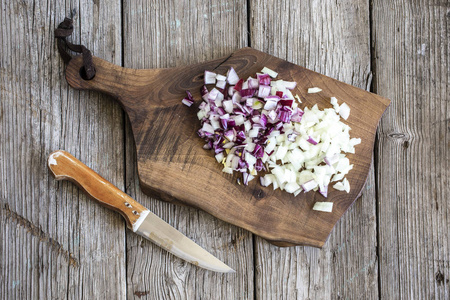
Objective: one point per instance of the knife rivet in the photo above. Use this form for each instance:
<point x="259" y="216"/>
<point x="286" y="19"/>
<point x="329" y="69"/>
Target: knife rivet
<point x="135" y="212"/>
<point x="127" y="204"/>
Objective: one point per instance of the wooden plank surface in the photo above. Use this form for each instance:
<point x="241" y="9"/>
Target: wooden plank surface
<point x="331" y="38"/>
<point x="55" y="242"/>
<point x="413" y="70"/>
<point x="167" y="34"/>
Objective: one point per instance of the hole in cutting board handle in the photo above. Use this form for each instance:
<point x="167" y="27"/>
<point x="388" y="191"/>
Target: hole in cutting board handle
<point x="83" y="74"/>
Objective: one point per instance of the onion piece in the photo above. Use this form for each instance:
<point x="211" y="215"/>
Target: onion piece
<point x="264" y="91"/>
<point x="314" y="90"/>
<point x="210" y="77"/>
<point x="344" y="111"/>
<point x="323" y="206"/>
<point x="270" y="72"/>
<point x="335" y="104"/>
<point x="232" y="76"/>
<point x="187" y="102"/>
<point x="309" y="185"/>
<point x="221" y="84"/>
<point x="253" y="83"/>
<point x="312" y="140"/>
<point x="221" y="77"/>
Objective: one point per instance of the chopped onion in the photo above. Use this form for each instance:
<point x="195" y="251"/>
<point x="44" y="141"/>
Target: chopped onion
<point x="264" y="91"/>
<point x="309" y="185"/>
<point x="257" y="125"/>
<point x="335" y="104"/>
<point x="220" y="77"/>
<point x="314" y="90"/>
<point x="187" y="102"/>
<point x="221" y="84"/>
<point x="232" y="76"/>
<point x="210" y="77"/>
<point x="323" y="206"/>
<point x="344" y="111"/>
<point x="270" y="72"/>
<point x="312" y="140"/>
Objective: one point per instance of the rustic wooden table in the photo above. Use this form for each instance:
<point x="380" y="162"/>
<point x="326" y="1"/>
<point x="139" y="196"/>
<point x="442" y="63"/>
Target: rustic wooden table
<point x="55" y="243"/>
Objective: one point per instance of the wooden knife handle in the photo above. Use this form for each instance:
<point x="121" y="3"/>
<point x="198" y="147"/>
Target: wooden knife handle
<point x="63" y="165"/>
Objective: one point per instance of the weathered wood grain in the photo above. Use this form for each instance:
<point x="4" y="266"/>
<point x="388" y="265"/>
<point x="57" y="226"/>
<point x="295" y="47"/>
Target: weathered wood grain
<point x="331" y="38"/>
<point x="169" y="34"/>
<point x="50" y="247"/>
<point x="412" y="41"/>
<point x="55" y="242"/>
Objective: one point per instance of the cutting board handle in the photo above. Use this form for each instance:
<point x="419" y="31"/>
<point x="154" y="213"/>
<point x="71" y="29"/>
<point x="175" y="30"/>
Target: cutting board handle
<point x="110" y="79"/>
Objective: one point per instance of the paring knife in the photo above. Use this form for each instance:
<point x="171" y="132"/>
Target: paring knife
<point x="138" y="218"/>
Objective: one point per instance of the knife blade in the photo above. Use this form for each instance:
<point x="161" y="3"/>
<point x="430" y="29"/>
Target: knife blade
<point x="139" y="219"/>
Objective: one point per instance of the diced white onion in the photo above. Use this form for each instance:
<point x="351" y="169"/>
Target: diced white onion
<point x="314" y="90"/>
<point x="344" y="111"/>
<point x="271" y="73"/>
<point x="323" y="206"/>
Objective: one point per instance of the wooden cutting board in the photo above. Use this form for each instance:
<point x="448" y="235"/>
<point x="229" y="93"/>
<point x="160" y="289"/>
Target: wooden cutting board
<point x="173" y="166"/>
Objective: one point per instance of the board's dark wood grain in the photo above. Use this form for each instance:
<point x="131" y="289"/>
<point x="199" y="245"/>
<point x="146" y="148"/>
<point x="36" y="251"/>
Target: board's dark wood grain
<point x="173" y="166"/>
<point x="413" y="69"/>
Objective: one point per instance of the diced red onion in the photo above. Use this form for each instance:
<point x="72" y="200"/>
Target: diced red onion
<point x="210" y="77"/>
<point x="284" y="116"/>
<point x="203" y="90"/>
<point x="263" y="120"/>
<point x="208" y="145"/>
<point x="288" y="103"/>
<point x="231" y="90"/>
<point x="248" y="92"/>
<point x="221" y="84"/>
<point x="221" y="77"/>
<point x="291" y="137"/>
<point x="264" y="79"/>
<point x="272" y="115"/>
<point x="238" y="86"/>
<point x="271" y="104"/>
<point x="312" y="140"/>
<point x="189" y="95"/>
<point x="253" y="83"/>
<point x="208" y="128"/>
<point x="232" y="76"/>
<point x="187" y="102"/>
<point x="212" y="95"/>
<point x="264" y="91"/>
